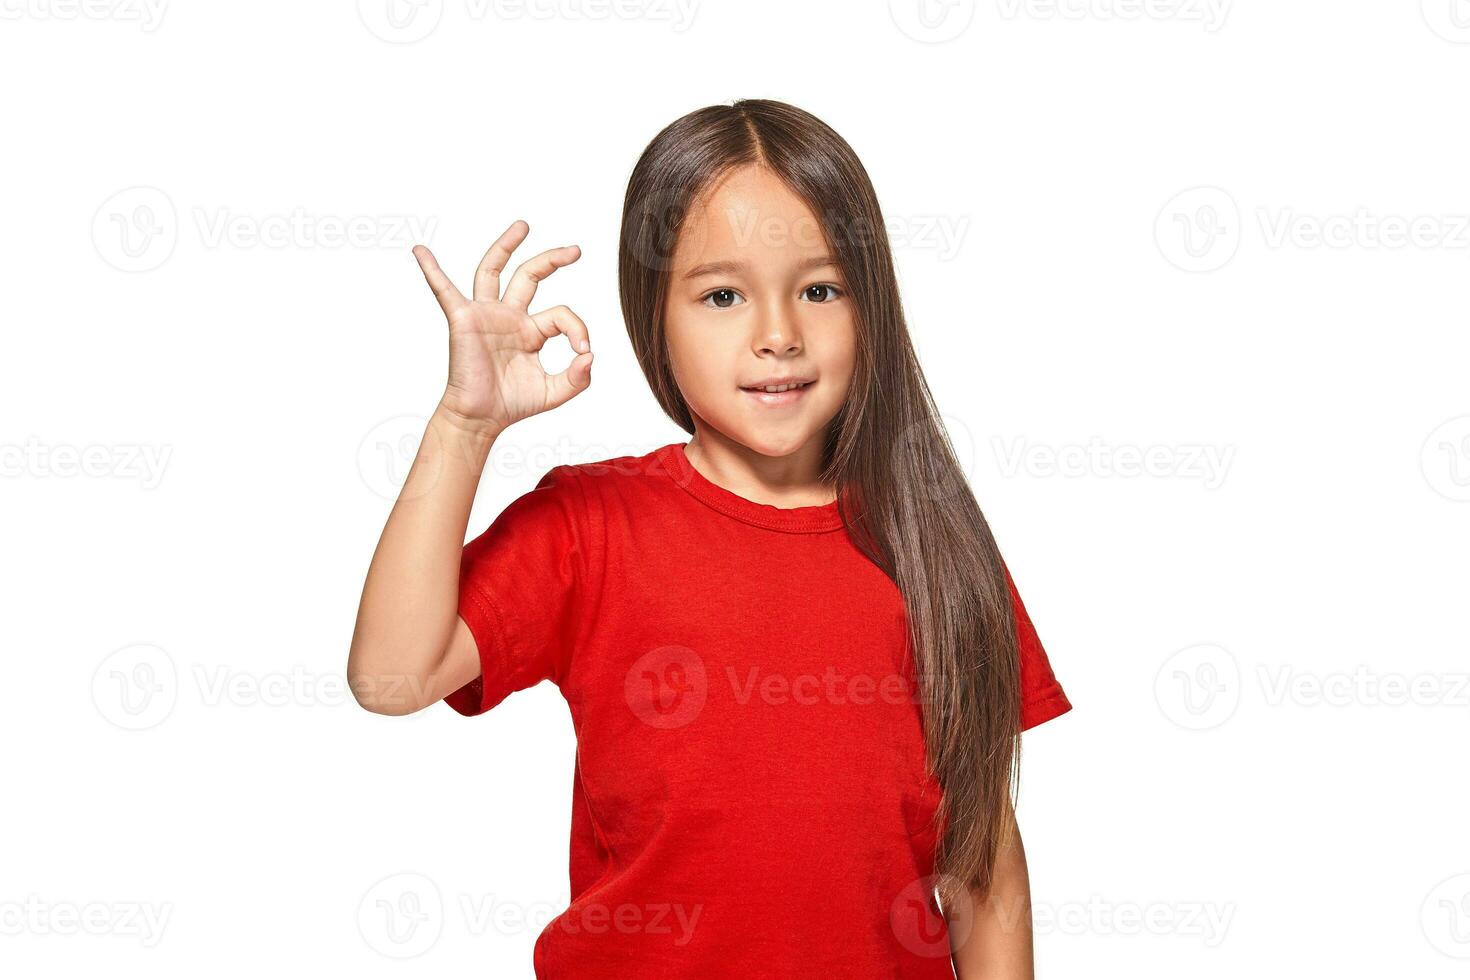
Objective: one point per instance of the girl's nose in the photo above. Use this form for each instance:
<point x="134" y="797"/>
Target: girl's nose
<point x="778" y="331"/>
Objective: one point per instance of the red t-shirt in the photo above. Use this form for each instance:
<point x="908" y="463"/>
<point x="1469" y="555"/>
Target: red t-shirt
<point x="751" y="797"/>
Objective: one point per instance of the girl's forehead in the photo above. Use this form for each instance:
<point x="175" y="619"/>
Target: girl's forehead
<point x="747" y="194"/>
<point x="749" y="215"/>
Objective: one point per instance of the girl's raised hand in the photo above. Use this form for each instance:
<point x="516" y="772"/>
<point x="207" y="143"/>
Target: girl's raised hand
<point x="495" y="376"/>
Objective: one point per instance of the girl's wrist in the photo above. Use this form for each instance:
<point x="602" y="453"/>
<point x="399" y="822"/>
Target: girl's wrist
<point x="475" y="433"/>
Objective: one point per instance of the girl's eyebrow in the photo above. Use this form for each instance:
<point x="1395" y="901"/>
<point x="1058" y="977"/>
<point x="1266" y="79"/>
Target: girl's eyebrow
<point x="727" y="267"/>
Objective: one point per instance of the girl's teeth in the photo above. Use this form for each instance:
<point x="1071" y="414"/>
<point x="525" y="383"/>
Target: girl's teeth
<point x="777" y="389"/>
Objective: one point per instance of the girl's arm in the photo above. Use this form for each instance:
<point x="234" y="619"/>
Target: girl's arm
<point x="996" y="943"/>
<point x="402" y="657"/>
<point x="409" y="647"/>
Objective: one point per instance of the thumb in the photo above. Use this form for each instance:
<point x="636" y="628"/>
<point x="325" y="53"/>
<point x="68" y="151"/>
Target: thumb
<point x="571" y="381"/>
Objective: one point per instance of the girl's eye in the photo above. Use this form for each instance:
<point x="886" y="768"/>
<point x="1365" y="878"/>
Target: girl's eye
<point x="724" y="298"/>
<point x="825" y="290"/>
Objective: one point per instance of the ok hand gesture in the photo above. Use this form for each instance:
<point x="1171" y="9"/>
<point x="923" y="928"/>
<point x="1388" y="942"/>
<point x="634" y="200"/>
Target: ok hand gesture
<point x="495" y="375"/>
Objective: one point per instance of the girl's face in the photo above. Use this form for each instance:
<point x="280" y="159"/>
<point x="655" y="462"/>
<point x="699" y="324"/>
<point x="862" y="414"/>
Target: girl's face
<point x="755" y="298"/>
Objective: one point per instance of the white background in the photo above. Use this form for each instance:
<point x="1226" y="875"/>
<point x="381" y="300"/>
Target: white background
<point x="1228" y="239"/>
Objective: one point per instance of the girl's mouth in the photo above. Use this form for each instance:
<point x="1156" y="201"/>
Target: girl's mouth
<point x="778" y="395"/>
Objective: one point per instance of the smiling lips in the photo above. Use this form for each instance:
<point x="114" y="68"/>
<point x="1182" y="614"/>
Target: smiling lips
<point x="779" y="394"/>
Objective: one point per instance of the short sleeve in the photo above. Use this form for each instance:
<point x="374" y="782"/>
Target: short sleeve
<point x="517" y="585"/>
<point x="1042" y="698"/>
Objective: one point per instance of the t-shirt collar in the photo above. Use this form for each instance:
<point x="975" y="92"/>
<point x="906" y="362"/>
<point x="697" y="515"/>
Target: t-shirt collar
<point x="676" y="465"/>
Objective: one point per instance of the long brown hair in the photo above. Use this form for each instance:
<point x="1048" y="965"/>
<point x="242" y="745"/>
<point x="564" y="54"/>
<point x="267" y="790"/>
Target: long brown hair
<point x="904" y="498"/>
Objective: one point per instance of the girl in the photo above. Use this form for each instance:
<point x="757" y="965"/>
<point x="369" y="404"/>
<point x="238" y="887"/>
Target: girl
<point x="796" y="664"/>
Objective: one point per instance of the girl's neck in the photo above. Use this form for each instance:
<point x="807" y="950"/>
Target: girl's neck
<point x="792" y="480"/>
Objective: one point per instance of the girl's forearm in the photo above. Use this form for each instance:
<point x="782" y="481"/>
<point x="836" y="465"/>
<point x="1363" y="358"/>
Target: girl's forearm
<point x="996" y="943"/>
<point x="410" y="599"/>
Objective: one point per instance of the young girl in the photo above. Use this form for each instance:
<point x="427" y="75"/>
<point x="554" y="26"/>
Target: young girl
<point x="796" y="664"/>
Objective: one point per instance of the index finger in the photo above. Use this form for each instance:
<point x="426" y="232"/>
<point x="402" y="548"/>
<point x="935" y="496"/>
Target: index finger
<point x="523" y="284"/>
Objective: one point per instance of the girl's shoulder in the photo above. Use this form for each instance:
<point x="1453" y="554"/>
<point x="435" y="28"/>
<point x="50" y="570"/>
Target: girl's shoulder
<point x="580" y="489"/>
<point x="619" y="473"/>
